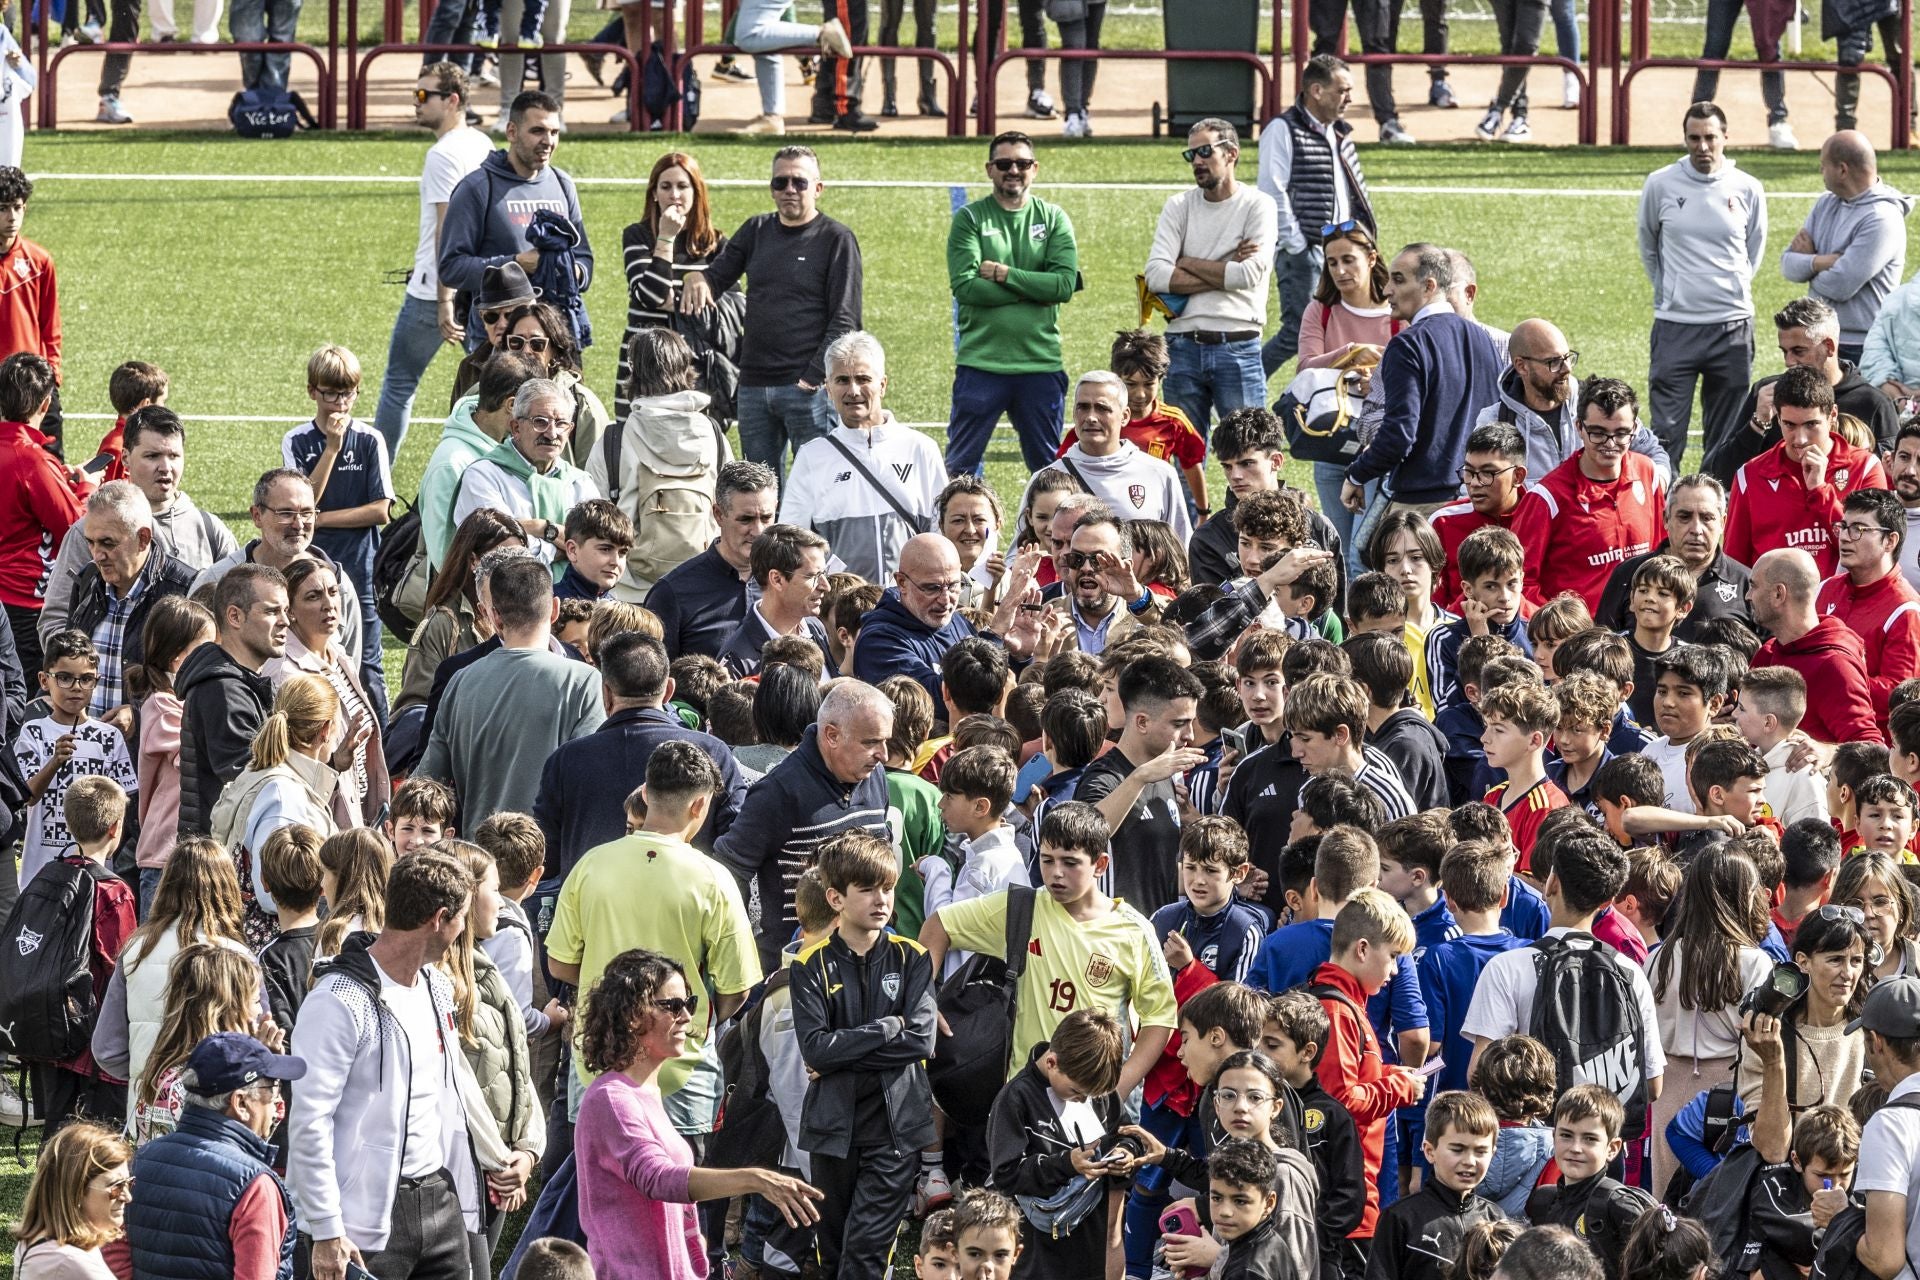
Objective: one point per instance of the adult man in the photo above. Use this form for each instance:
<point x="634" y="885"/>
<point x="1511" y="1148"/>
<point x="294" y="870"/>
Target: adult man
<point x="205" y="1198"/>
<point x="477" y="425"/>
<point x="1790" y="496"/>
<point x="1809" y="334"/>
<point x="1494" y="472"/>
<point x="789" y="566"/>
<point x="1539" y="394"/>
<point x="427" y="317"/>
<point x="1852" y="250"/>
<point x="1135" y="484"/>
<point x="1870" y="595"/>
<point x="840" y="81"/>
<point x="155" y="459"/>
<point x="1825" y="651"/>
<point x="1311" y="172"/>
<point x="223" y="696"/>
<point x="503" y="716"/>
<point x="1060" y="538"/>
<point x="37" y="500"/>
<point x="585" y="783"/>
<point x="870" y="483"/>
<point x="1132" y="785"/>
<point x="834" y="781"/>
<point x="1102" y="597"/>
<point x="1251" y="446"/>
<point x="1012" y="262"/>
<point x="527" y="475"/>
<point x="1434" y="375"/>
<point x="1696" y="520"/>
<point x="804" y="273"/>
<point x="1703" y="231"/>
<point x="29" y="292"/>
<point x="1903" y="472"/>
<point x="1213" y="248"/>
<point x="700" y="602"/>
<point x="1888" y="1172"/>
<point x="1378" y="26"/>
<point x="491" y="210"/>
<point x="375" y="1033"/>
<point x="113" y="594"/>
<point x="1593" y="510"/>
<point x="918" y="618"/>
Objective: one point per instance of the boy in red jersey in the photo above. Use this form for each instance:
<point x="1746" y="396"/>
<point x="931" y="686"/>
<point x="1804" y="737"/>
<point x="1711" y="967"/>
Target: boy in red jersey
<point x="1519" y="719"/>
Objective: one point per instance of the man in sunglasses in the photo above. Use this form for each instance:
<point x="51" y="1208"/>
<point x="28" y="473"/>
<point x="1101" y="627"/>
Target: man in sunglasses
<point x="1013" y="262"/>
<point x="427" y="318"/>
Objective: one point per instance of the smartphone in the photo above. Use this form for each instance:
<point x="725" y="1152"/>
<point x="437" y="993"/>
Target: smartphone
<point x="357" y="1272"/>
<point x="97" y="463"/>
<point x="1431" y="1067"/>
<point x="1234" y="740"/>
<point x="1181" y="1220"/>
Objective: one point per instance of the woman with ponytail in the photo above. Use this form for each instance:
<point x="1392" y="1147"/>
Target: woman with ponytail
<point x="1666" y="1246"/>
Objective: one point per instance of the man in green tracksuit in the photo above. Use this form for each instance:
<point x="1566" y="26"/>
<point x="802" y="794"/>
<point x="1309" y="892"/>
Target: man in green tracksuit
<point x="1012" y="261"/>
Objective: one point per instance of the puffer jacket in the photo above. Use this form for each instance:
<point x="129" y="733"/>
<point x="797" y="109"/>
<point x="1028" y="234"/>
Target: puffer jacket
<point x="1892" y="350"/>
<point x="498" y="1054"/>
<point x="1519" y="1155"/>
<point x="670" y="459"/>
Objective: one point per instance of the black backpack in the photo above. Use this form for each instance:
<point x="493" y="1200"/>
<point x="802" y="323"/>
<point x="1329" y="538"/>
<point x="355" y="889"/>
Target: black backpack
<point x="1721" y="1202"/>
<point x="978" y="1003"/>
<point x="47" y="1006"/>
<point x="1837" y="1258"/>
<point x="1585" y="1012"/>
<point x="399" y="572"/>
<point x="749" y="1132"/>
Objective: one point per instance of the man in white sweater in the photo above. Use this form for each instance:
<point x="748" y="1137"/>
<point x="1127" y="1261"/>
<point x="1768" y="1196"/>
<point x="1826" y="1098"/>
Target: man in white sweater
<point x="1213" y="254"/>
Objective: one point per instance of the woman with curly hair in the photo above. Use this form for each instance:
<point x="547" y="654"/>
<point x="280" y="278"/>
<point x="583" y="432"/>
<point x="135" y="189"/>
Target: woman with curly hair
<point x="638" y="1183"/>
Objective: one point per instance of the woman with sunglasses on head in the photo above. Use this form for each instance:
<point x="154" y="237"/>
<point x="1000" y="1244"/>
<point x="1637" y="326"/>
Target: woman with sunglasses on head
<point x="543" y="335"/>
<point x="76" y="1204"/>
<point x="1834" y="948"/>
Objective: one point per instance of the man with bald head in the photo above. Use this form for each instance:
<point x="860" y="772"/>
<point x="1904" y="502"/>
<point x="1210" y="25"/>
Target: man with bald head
<point x="918" y="617"/>
<point x="1852" y="249"/>
<point x="1538" y="393"/>
<point x="1137" y="485"/>
<point x="1825" y="651"/>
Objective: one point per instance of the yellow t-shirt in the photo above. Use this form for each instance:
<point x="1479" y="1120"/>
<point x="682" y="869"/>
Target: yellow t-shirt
<point x="1415" y="637"/>
<point x="665" y="895"/>
<point x="1112" y="963"/>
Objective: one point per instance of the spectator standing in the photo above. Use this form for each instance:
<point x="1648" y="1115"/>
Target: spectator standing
<point x="1012" y="262"/>
<point x="30" y="292"/>
<point x="527" y="475"/>
<point x="1703" y="233"/>
<point x="675" y="235"/>
<point x="700" y="602"/>
<point x="918" y="618"/>
<point x="1378" y="27"/>
<point x="1132" y="786"/>
<point x="1792" y="495"/>
<point x="804" y="273"/>
<point x="1132" y="482"/>
<point x="451" y="619"/>
<point x="59" y="749"/>
<point x="114" y="595"/>
<point x="1890" y="360"/>
<point x="1213" y="250"/>
<point x="40" y="506"/>
<point x="790" y="568"/>
<point x="1540" y="395"/>
<point x="545" y="336"/>
<point x="427" y="317"/>
<point x="1871" y="596"/>
<point x="477" y="425"/>
<point x="247" y="21"/>
<point x="223" y="696"/>
<point x="1852" y="249"/>
<point x="1825" y="651"/>
<point x="1251" y="446"/>
<point x="1077" y="75"/>
<point x="1890" y="1141"/>
<point x="176" y="626"/>
<point x="76" y="1203"/>
<point x="504" y="289"/>
<point x="761" y="28"/>
<point x="1103" y="597"/>
<point x="1311" y="171"/>
<point x="1696" y="521"/>
<point x="1495" y="477"/>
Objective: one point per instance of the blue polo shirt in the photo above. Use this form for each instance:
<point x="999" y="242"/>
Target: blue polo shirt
<point x="1526" y="915"/>
<point x="1433" y="927"/>
<point x="361" y="474"/>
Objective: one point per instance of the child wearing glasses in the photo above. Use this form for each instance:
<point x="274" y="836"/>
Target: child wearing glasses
<point x="63" y="745"/>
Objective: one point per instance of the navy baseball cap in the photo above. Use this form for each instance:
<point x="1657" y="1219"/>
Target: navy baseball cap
<point x="228" y="1060"/>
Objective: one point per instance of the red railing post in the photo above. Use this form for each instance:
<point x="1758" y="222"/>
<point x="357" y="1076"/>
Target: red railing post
<point x="939" y="58"/>
<point x="49" y="88"/>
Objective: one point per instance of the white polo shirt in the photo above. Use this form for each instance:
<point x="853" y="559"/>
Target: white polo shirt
<point x="1890" y="1161"/>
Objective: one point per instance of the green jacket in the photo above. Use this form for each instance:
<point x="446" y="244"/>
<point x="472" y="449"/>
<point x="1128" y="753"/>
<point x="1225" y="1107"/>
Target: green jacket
<point x="913" y="811"/>
<point x="1012" y="327"/>
<point x="462" y="443"/>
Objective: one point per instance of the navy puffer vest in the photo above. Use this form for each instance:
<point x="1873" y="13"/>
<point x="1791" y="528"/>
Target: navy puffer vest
<point x="186" y="1185"/>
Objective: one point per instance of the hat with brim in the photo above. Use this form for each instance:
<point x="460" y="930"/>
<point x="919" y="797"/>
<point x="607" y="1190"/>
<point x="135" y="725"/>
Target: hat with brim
<point x="1892" y="1009"/>
<point x="506" y="285"/>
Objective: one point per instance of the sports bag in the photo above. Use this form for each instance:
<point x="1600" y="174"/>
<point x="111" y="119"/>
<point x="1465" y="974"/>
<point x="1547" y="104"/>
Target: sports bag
<point x="1319" y="411"/>
<point x="1587" y="1015"/>
<point x="749" y="1132"/>
<point x="402" y="574"/>
<point x="47" y="1006"/>
<point x="979" y="1002"/>
<point x="269" y="111"/>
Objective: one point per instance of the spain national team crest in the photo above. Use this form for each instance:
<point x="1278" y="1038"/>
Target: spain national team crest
<point x="1099" y="969"/>
<point x="1137" y="494"/>
<point x="891" y="985"/>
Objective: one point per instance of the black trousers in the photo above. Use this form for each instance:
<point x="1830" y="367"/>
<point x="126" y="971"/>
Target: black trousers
<point x="866" y="1195"/>
<point x="25" y="625"/>
<point x="891" y="14"/>
<point x="66" y="1096"/>
<point x="1033" y="35"/>
<point x="1378" y="24"/>
<point x="426" y="1236"/>
<point x="836" y="89"/>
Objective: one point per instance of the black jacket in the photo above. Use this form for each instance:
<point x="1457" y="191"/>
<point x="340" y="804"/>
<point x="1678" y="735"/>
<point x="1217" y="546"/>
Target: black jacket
<point x="1261" y="1254"/>
<point x="1853" y="394"/>
<point x="163" y="575"/>
<point x="1213" y="552"/>
<point x="1598" y="1210"/>
<point x="223" y="706"/>
<point x="1333" y="1142"/>
<point x="699" y="603"/>
<point x="1418" y="1236"/>
<point x="1419" y="752"/>
<point x="1031" y="1156"/>
<point x="871" y="1015"/>
<point x="1261" y="796"/>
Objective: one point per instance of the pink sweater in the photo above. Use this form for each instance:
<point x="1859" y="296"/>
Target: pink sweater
<point x="1326" y="332"/>
<point x="633" y="1170"/>
<point x="159" y="778"/>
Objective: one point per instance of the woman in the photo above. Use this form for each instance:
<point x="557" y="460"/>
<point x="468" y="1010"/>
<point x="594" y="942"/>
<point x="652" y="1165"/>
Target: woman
<point x="1159" y="560"/>
<point x="1707" y="964"/>
<point x="353" y="883"/>
<point x="786" y="702"/>
<point x="968" y="513"/>
<point x="1348" y="318"/>
<point x="1833" y="947"/>
<point x="638" y="1183"/>
<point x="1036" y="518"/>
<point x="450" y="621"/>
<point x="293" y="776"/>
<point x="543" y="335"/>
<point x="1871" y="881"/>
<point x="313" y="597"/>
<point x="675" y="235"/>
<point x="76" y="1203"/>
<point x="174" y="628"/>
<point x="1406" y="549"/>
<point x="209" y="988"/>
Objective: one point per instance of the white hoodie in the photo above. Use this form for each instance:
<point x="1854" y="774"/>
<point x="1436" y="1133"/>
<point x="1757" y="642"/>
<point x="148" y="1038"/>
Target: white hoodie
<point x="1137" y="485"/>
<point x="676" y="441"/>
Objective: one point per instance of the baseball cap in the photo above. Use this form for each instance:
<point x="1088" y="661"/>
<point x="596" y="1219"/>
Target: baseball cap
<point x="228" y="1060"/>
<point x="1892" y="1009"/>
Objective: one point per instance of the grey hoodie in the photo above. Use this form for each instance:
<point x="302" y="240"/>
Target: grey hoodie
<point x="1866" y="232"/>
<point x="1702" y="236"/>
<point x="486" y="224"/>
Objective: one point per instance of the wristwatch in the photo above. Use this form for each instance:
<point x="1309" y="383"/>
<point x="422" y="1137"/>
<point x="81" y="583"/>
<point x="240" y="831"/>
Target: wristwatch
<point x="1143" y="603"/>
<point x="550" y="533"/>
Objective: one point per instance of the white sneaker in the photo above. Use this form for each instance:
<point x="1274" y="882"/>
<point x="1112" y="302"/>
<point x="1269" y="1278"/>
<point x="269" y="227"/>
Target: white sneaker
<point x="1780" y="137"/>
<point x="1489" y="127"/>
<point x="833" y="39"/>
<point x="1039" y="105"/>
<point x="1395" y="134"/>
<point x="932" y="1192"/>
<point x="1086" y="124"/>
<point x="91" y="33"/>
<point x="486" y="78"/>
<point x="761" y="124"/>
<point x="111" y="113"/>
<point x="12" y="1110"/>
<point x="1075" y="126"/>
<point x="1517" y="131"/>
<point x="1569" y="90"/>
<point x="619" y="117"/>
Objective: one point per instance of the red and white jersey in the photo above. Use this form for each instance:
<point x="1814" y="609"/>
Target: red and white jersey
<point x="1885" y="614"/>
<point x="1576" y="529"/>
<point x="1771" y="506"/>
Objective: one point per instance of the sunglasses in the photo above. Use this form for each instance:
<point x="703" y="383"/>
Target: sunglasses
<point x="523" y="342"/>
<point x="790" y="182"/>
<point x="421" y="95"/>
<point x="682" y="1008"/>
<point x="1833" y="912"/>
<point x="1339" y="228"/>
<point x="1202" y="152"/>
<point x="1014" y="166"/>
<point x="491" y="318"/>
<point x="1081" y="559"/>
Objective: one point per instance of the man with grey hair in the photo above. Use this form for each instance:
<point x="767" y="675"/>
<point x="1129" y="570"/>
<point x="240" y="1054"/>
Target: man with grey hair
<point x="869" y="484"/>
<point x="1825" y="651"/>
<point x="1105" y="463"/>
<point x="701" y="601"/>
<point x="1213" y="253"/>
<point x="527" y="475"/>
<point x="126" y="574"/>
<point x="835" y="781"/>
<point x="1852" y="250"/>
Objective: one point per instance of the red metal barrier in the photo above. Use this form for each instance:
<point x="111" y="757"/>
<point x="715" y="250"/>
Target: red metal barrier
<point x="357" y="87"/>
<point x="49" y="91"/>
<point x="956" y="109"/>
<point x="991" y="72"/>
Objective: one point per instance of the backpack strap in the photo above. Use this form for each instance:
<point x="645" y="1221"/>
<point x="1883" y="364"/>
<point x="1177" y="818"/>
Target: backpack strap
<point x="1326" y="991"/>
<point x="1074" y="471"/>
<point x="878" y="485"/>
<point x="610" y="453"/>
<point x="1020" y="902"/>
<point x="300" y="110"/>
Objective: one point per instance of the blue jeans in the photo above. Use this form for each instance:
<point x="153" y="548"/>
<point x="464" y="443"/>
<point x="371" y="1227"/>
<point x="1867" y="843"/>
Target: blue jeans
<point x="1566" y="28"/>
<point x="253" y="20"/>
<point x="1034" y="401"/>
<point x="759" y="29"/>
<point x="1296" y="275"/>
<point x="416" y="340"/>
<point x="1327" y="480"/>
<point x="1203" y="377"/>
<point x="452" y="23"/>
<point x="149" y="885"/>
<point x="1721" y="17"/>
<point x="773" y="417"/>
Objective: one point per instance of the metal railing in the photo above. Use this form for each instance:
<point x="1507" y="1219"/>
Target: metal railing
<point x="360" y="73"/>
<point x="956" y="109"/>
<point x="48" y="95"/>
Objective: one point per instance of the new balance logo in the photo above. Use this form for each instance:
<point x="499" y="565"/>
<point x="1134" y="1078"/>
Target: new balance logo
<point x="843" y="477"/>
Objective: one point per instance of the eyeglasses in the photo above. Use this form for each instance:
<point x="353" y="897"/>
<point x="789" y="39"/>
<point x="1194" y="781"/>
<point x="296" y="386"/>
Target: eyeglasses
<point x="118" y="1189"/>
<point x="525" y="342"/>
<point x="685" y="1007"/>
<point x="291" y="515"/>
<point x="1832" y="911"/>
<point x="952" y="588"/>
<point x="1252" y="1097"/>
<point x="421" y="95"/>
<point x="790" y="182"/>
<point x="1014" y="166"/>
<point x="1483" y="475"/>
<point x="1331" y="229"/>
<point x="1202" y="152"/>
<point x="336" y="395"/>
<point x="1561" y="363"/>
<point x="1847" y="531"/>
<point x="1879" y="904"/>
<point x="73" y="679"/>
<point x="545" y="423"/>
<point x="1597" y="436"/>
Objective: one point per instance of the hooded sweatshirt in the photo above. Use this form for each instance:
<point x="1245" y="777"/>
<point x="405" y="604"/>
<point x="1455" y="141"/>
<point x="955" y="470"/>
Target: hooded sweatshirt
<point x="1832" y="660"/>
<point x="1551" y="442"/>
<point x="829" y="495"/>
<point x="462" y="443"/>
<point x="894" y="642"/>
<point x="1868" y="234"/>
<point x="670" y="458"/>
<point x="223" y="706"/>
<point x="1702" y="236"/>
<point x="1137" y="485"/>
<point x="1892" y="353"/>
<point x="486" y="225"/>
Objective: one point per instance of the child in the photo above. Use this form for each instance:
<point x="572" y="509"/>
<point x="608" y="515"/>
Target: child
<point x="519" y="850"/>
<point x="1903" y="733"/>
<point x="1050" y="1125"/>
<point x="1397" y="730"/>
<point x="1490" y="569"/>
<point x="1419" y="1234"/>
<point x="1794" y="1198"/>
<point x="1524" y="912"/>
<point x="1308" y="600"/>
<point x="290" y="866"/>
<point x="1663" y="1246"/>
<point x="1653" y="882"/>
<point x="1886" y="816"/>
<point x="1810" y="853"/>
<point x="1586" y="1140"/>
<point x="1587" y="707"/>
<point x="917" y="802"/>
<point x="863" y="1011"/>
<point x="1410" y="853"/>
<point x="1073" y="733"/>
<point x="1516" y="1076"/>
<point x="572" y="625"/>
<point x="64" y="745"/>
<point x="1663" y="590"/>
<point x="597" y="537"/>
<point x="1610" y="657"/>
<point x="1407" y="550"/>
<point x="552" y="1258"/>
<point x="1211" y="925"/>
<point x="1242" y="1199"/>
<point x="1218" y="710"/>
<point x="975" y="788"/>
<point x="1852" y="764"/>
<point x="1690" y="683"/>
<point x="1154" y="426"/>
<point x="936" y="1258"/>
<point x="1468" y="774"/>
<point x="1375" y="602"/>
<point x="131" y="388"/>
<point x="1482" y="1247"/>
<point x="986" y="1235"/>
<point x="1773" y="701"/>
<point x="1518" y="719"/>
<point x="421" y="813"/>
<point x="1726" y="778"/>
<point x="1327" y="716"/>
<point x="1623" y="784"/>
<point x="1552" y="625"/>
<point x="1294" y="1034"/>
<point x="1473" y="881"/>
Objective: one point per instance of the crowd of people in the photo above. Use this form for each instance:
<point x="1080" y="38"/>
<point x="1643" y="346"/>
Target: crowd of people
<point x="1504" y="867"/>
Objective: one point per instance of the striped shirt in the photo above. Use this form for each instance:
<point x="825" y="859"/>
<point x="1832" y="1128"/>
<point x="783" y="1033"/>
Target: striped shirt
<point x="1378" y="775"/>
<point x="653" y="289"/>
